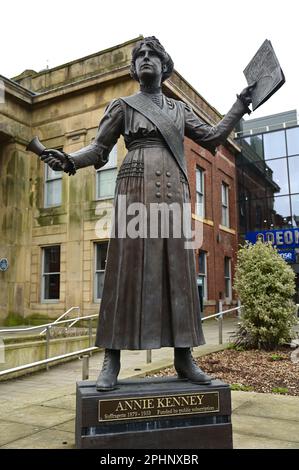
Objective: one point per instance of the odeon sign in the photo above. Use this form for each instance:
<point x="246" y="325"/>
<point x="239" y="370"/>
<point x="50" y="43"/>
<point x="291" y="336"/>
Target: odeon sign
<point x="288" y="238"/>
<point x="285" y="241"/>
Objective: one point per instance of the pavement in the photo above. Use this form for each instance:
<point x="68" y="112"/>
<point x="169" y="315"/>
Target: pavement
<point x="37" y="411"/>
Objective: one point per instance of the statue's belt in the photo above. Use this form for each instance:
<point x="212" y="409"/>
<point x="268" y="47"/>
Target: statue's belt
<point x="164" y="124"/>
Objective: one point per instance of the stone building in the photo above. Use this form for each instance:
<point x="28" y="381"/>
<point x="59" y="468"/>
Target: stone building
<point x="54" y="228"/>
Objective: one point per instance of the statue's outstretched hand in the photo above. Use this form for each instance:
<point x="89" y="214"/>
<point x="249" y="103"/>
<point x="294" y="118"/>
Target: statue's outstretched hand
<point x="55" y="159"/>
<point x="246" y="94"/>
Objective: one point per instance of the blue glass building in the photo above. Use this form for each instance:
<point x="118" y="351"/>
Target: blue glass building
<point x="268" y="182"/>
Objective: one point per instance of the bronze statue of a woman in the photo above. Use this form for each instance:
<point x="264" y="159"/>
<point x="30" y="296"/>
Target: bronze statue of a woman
<point x="150" y="297"/>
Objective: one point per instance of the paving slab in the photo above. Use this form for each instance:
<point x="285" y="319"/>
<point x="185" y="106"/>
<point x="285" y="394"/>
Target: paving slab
<point x="36" y="398"/>
<point x="46" y="439"/>
<point x="5" y="411"/>
<point x="11" y="432"/>
<point x="67" y="426"/>
<point x="239" y="399"/>
<point x="269" y="428"/>
<point x="38" y="415"/>
<point x="266" y="405"/>
<point x="37" y="394"/>
<point x="244" y="441"/>
<point x="67" y="402"/>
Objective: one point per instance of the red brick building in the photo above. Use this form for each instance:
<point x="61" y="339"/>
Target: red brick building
<point x="217" y="257"/>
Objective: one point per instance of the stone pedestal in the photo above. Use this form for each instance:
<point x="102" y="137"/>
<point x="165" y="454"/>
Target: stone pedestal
<point x="154" y="413"/>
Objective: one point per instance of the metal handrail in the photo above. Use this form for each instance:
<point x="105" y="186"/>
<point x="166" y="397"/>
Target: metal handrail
<point x="221" y="313"/>
<point x="47" y="361"/>
<point x="83" y="352"/>
<point x="219" y="317"/>
<point x="75" y="321"/>
<point x="63" y="315"/>
<point x="45" y="325"/>
<point x="58" y="322"/>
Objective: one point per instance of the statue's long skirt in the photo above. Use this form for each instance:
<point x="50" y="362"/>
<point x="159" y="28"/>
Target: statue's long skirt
<point x="150" y="296"/>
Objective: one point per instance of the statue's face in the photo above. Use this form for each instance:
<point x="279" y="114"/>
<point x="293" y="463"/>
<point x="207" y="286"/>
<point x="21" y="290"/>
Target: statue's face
<point x="148" y="64"/>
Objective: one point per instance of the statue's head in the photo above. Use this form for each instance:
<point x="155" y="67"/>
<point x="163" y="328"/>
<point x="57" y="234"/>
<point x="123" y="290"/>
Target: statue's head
<point x="153" y="43"/>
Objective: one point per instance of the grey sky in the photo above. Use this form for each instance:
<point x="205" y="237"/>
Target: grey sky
<point x="210" y="42"/>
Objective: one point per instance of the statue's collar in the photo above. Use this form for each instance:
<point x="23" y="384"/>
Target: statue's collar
<point x="151" y="90"/>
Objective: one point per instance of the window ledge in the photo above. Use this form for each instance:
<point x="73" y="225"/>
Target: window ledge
<point x="207" y="303"/>
<point x="52" y="210"/>
<point x="104" y="199"/>
<point x="227" y="229"/>
<point x="203" y="220"/>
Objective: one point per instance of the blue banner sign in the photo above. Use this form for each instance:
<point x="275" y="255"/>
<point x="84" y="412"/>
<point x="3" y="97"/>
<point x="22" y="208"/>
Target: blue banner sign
<point x="283" y="239"/>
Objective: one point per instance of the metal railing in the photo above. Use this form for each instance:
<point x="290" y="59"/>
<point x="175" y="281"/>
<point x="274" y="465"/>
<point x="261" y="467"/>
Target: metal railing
<point x="219" y="316"/>
<point x="84" y="352"/>
<point x="45" y="325"/>
<point x="63" y="315"/>
<point x="46" y="328"/>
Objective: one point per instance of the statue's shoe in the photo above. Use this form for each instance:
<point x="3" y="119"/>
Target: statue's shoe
<point x="187" y="368"/>
<point x="107" y="379"/>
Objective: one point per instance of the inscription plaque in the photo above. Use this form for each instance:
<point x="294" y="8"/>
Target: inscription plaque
<point x="157" y="406"/>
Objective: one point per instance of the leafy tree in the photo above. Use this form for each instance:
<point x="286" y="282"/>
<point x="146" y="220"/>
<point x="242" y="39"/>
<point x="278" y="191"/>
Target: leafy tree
<point x="265" y="284"/>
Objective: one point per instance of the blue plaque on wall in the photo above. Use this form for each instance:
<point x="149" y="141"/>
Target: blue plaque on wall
<point x="3" y="264"/>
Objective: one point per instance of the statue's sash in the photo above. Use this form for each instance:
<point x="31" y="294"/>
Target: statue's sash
<point x="144" y="105"/>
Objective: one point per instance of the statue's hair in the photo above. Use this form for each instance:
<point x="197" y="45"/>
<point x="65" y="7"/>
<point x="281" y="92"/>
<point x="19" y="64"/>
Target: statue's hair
<point x="165" y="58"/>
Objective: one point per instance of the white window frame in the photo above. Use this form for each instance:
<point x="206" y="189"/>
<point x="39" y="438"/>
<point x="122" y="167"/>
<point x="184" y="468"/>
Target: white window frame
<point x="225" y="204"/>
<point x="228" y="279"/>
<point x="56" y="176"/>
<point x="111" y="165"/>
<point x="200" y="192"/>
<point x="43" y="276"/>
<point x="98" y="271"/>
<point x="204" y="274"/>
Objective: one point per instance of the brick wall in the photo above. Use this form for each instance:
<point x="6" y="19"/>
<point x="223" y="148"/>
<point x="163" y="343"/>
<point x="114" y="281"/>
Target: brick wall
<point x="218" y="241"/>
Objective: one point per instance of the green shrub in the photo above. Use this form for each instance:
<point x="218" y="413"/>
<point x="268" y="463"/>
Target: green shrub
<point x="265" y="284"/>
<point x="276" y="357"/>
<point x="235" y="347"/>
<point x="280" y="390"/>
<point x="241" y="387"/>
